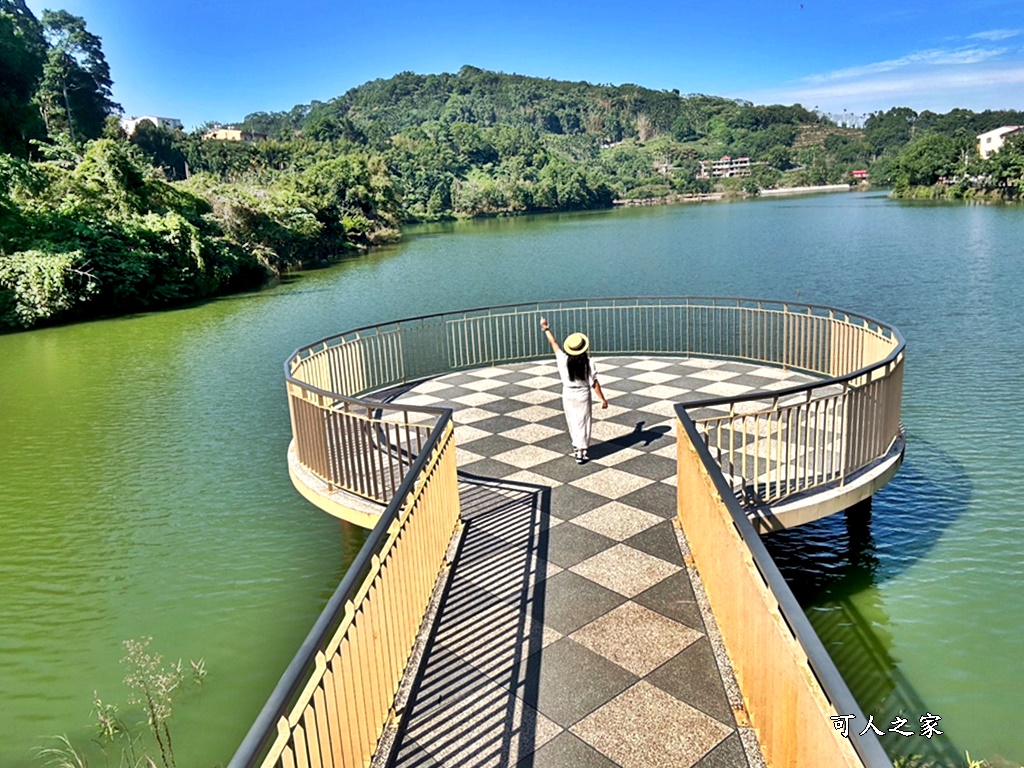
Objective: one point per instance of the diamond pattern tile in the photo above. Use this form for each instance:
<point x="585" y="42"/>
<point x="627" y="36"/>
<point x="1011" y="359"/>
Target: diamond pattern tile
<point x="624" y="570"/>
<point x="647" y="728"/>
<point x="570" y="634"/>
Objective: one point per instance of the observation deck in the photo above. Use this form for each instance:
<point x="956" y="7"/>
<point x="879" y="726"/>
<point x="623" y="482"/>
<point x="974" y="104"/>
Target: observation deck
<point x="511" y="607"/>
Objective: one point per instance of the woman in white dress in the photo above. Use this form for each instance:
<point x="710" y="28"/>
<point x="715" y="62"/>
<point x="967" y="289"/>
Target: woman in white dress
<point x="578" y="375"/>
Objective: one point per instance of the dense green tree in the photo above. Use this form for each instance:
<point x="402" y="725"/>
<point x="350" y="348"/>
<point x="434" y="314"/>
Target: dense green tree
<point x="22" y="53"/>
<point x="892" y="129"/>
<point x="166" y="148"/>
<point x="927" y="159"/>
<point x="74" y="95"/>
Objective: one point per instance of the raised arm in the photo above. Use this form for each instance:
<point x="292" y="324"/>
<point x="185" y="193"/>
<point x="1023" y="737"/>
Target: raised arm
<point x="550" y="336"/>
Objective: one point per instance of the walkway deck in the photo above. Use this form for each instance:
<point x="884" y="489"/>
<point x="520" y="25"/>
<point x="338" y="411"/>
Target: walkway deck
<point x="572" y="631"/>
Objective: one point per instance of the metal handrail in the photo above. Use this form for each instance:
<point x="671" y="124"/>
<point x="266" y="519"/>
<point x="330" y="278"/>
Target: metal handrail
<point x="296" y="677"/>
<point x="838" y="693"/>
<point x="845" y="349"/>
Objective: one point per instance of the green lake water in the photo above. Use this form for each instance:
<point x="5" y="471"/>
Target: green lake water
<point x="144" y="489"/>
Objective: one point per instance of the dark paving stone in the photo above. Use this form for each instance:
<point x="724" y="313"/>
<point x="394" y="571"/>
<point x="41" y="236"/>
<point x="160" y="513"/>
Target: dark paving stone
<point x="569" y="544"/>
<point x="673" y="597"/>
<point x="556" y="691"/>
<point x="515" y="374"/>
<point x="564" y="469"/>
<point x="566" y="751"/>
<point x="487" y="468"/>
<point x="660" y="541"/>
<point x="560" y="443"/>
<point x="506" y="404"/>
<point x="692" y="676"/>
<point x="567" y="601"/>
<point x="651" y="467"/>
<point x="491" y="445"/>
<point x="568" y="501"/>
<point x="656" y="498"/>
<point x="496" y="425"/>
<point x="459" y="379"/>
<point x="625" y="384"/>
<point x="631" y="401"/>
<point x="728" y="754"/>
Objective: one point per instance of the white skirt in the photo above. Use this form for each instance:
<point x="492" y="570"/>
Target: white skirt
<point x="577" y="404"/>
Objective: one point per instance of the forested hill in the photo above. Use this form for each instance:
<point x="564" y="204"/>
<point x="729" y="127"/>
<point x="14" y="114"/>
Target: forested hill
<point x="381" y="109"/>
<point x="94" y="221"/>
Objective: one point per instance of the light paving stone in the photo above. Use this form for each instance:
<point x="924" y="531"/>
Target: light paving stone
<point x="767" y="372"/>
<point x="644" y="727"/>
<point x="536" y="396"/>
<point x="650" y="364"/>
<point x="534" y="413"/>
<point x="530" y="478"/>
<point x="662" y="392"/>
<point x="420" y="398"/>
<point x="636" y="638"/>
<point x="663" y="408"/>
<point x="477" y="399"/>
<point x="483" y="385"/>
<point x="724" y="389"/>
<point x="465" y="434"/>
<point x="531" y="433"/>
<point x="463" y="456"/>
<point x="541" y="369"/>
<point x="540" y="382"/>
<point x="608" y="430"/>
<point x="432" y="385"/>
<point x="617" y="521"/>
<point x="527" y="456"/>
<point x="611" y="483"/>
<point x="714" y="374"/>
<point x="471" y="415"/>
<point x="488" y="373"/>
<point x="667" y="451"/>
<point x="703" y="362"/>
<point x="655" y="377"/>
<point x="625" y="570"/>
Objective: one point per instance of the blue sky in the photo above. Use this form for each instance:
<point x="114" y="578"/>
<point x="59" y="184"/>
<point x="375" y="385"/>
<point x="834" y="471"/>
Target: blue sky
<point x="201" y="60"/>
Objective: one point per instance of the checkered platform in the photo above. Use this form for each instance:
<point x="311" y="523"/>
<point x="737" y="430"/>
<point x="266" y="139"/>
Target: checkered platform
<point x="571" y="632"/>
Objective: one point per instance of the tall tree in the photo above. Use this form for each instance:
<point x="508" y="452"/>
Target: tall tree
<point x="22" y="53"/>
<point x="74" y="96"/>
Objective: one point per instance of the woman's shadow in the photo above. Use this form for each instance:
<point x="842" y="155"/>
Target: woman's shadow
<point x="639" y="436"/>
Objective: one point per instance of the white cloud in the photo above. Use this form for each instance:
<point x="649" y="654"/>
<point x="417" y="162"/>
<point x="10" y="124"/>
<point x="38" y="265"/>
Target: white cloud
<point x="995" y="35"/>
<point x="976" y="88"/>
<point x="932" y="58"/>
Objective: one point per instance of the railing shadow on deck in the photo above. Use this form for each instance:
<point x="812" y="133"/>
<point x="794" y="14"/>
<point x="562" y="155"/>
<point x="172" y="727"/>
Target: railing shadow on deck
<point x="472" y="691"/>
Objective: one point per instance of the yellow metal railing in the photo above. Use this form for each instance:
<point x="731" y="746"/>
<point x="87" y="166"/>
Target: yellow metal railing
<point x="791" y="688"/>
<point x="335" y="699"/>
<point x="770" y="445"/>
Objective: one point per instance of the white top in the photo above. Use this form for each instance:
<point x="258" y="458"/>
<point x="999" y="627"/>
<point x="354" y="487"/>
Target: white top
<point x="562" y="361"/>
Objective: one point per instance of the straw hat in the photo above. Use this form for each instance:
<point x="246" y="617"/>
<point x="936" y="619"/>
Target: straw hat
<point x="576" y="344"/>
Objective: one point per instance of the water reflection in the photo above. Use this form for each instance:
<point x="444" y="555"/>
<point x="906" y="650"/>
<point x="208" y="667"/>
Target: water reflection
<point x="835" y="565"/>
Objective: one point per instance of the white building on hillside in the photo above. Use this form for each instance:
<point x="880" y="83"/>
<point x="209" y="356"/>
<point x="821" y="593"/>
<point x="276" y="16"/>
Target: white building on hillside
<point x="993" y="141"/>
<point x="129" y="124"/>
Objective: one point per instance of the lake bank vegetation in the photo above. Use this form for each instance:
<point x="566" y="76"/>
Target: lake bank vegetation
<point x="94" y="222"/>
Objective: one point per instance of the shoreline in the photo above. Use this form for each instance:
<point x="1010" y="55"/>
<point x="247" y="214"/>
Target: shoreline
<point x="804" y="190"/>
